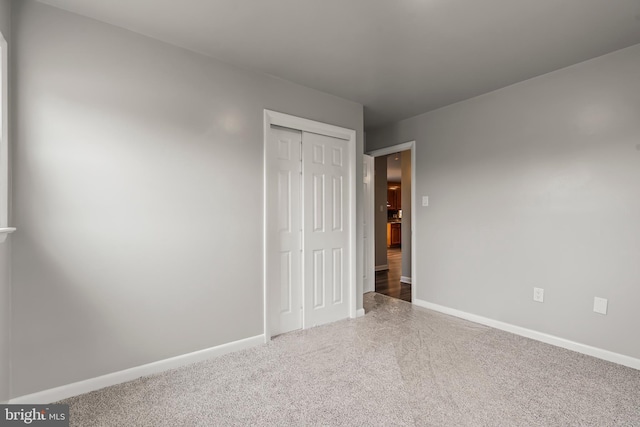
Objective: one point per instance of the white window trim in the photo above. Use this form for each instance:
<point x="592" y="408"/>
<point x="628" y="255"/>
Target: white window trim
<point x="4" y="146"/>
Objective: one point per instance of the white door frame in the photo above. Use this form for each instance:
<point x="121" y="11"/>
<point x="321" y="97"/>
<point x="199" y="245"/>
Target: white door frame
<point x="368" y="248"/>
<point x="411" y="145"/>
<point x="269" y="241"/>
<point x="4" y="142"/>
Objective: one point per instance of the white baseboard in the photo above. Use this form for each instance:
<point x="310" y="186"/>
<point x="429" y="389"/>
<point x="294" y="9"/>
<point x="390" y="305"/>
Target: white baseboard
<point x="405" y="279"/>
<point x="382" y="267"/>
<point x="92" y="384"/>
<point x="360" y="312"/>
<point x="599" y="353"/>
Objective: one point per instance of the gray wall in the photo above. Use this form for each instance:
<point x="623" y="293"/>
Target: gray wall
<point x="380" y="206"/>
<point x="536" y="184"/>
<point x="405" y="189"/>
<point x="138" y="187"/>
<point x="5" y="255"/>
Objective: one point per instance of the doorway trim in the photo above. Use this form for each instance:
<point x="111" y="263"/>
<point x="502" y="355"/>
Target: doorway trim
<point x="410" y="145"/>
<point x="5" y="230"/>
<point x="306" y="125"/>
<point x="368" y="246"/>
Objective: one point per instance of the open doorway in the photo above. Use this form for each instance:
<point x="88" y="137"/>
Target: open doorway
<point x="393" y="224"/>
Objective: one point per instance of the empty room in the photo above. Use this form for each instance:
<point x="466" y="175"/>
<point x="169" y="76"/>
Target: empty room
<point x="320" y="213"/>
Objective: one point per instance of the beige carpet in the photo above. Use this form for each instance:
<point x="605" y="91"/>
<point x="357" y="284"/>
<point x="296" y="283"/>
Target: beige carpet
<point x="398" y="365"/>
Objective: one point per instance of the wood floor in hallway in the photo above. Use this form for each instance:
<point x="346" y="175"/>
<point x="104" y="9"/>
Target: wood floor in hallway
<point x="388" y="282"/>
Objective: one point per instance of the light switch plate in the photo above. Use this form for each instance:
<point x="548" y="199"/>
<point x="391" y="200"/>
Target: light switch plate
<point x="425" y="200"/>
<point x="600" y="305"/>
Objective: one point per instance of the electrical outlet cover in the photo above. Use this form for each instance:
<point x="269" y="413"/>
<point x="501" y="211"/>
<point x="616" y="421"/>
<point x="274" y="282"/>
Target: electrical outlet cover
<point x="538" y="294"/>
<point x="600" y="305"/>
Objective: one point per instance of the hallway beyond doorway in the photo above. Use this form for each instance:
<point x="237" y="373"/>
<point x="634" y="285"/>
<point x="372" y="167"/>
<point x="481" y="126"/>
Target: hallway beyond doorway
<point x="388" y="281"/>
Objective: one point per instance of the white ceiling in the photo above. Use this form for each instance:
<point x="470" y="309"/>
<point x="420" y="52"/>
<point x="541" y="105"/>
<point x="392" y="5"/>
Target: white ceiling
<point x="398" y="58"/>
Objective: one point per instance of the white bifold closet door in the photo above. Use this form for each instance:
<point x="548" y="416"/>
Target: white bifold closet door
<point x="326" y="229"/>
<point x="308" y="276"/>
<point x="285" y="214"/>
